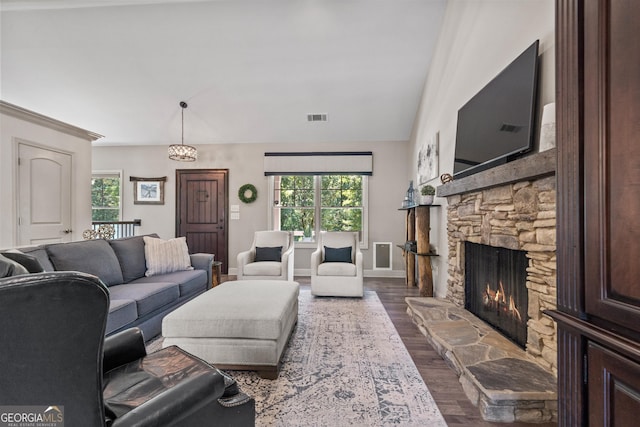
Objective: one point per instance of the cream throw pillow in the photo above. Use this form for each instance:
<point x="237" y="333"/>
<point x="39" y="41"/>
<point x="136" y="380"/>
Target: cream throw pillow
<point x="166" y="256"/>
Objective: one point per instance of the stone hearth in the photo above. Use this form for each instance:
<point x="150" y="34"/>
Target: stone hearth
<point x="496" y="375"/>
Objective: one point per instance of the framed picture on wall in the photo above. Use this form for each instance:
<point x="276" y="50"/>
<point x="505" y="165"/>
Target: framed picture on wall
<point x="148" y="191"/>
<point x="428" y="160"/>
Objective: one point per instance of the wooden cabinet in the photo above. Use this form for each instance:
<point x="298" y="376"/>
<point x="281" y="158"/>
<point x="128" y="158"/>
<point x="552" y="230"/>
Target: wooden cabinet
<point x="614" y="381"/>
<point x="418" y="225"/>
<point x="598" y="219"/>
<point x="612" y="159"/>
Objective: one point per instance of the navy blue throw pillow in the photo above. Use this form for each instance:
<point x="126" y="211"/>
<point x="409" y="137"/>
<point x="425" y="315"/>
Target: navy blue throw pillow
<point x="268" y="254"/>
<point x="337" y="254"/>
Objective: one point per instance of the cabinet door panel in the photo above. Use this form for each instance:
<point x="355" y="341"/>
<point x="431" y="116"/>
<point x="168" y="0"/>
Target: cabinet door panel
<point x="612" y="160"/>
<point x="614" y="388"/>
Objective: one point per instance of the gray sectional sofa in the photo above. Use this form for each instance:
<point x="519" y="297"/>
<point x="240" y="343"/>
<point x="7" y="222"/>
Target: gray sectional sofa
<point x="135" y="300"/>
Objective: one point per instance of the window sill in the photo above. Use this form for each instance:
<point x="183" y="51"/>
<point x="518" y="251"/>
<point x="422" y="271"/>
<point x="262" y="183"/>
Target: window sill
<point x="314" y="245"/>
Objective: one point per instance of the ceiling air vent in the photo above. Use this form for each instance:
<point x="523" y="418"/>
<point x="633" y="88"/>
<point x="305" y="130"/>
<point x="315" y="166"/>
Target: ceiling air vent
<point x="317" y="117"/>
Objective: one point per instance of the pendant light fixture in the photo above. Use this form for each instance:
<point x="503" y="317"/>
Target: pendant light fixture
<point x="181" y="152"/>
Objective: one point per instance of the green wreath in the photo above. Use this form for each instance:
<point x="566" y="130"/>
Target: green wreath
<point x="243" y="190"/>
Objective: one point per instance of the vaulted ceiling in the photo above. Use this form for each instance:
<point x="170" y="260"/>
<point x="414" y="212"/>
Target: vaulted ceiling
<point x="250" y="70"/>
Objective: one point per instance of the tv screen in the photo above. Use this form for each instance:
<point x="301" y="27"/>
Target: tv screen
<point x="498" y="122"/>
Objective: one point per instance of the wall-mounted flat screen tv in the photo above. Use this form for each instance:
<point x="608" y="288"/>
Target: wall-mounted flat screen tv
<point x="497" y="124"/>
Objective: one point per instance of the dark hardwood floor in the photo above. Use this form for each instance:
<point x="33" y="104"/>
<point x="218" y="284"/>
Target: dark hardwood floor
<point x="439" y="378"/>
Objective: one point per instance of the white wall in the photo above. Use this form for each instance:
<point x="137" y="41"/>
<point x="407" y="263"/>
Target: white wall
<point x="478" y="39"/>
<point x="246" y="165"/>
<point x="13" y="129"/>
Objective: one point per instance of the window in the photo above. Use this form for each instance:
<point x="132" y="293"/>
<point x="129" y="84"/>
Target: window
<point x="308" y="204"/>
<point x="106" y="190"/>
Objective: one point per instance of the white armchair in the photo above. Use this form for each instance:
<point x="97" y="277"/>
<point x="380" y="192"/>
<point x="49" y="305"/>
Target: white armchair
<point x="336" y="266"/>
<point x="262" y="262"/>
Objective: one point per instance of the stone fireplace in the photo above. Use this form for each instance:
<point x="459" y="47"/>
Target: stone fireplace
<point x="509" y="212"/>
<point x="512" y="207"/>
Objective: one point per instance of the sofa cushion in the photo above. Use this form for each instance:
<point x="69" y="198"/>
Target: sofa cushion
<point x="337" y="254"/>
<point x="268" y="254"/>
<point x="9" y="267"/>
<point x="130" y="254"/>
<point x="90" y="256"/>
<point x="29" y="262"/>
<point x="148" y="296"/>
<point x="337" y="269"/>
<point x="166" y="256"/>
<point x="264" y="268"/>
<point x="40" y="253"/>
<point x="189" y="281"/>
<point x="121" y="313"/>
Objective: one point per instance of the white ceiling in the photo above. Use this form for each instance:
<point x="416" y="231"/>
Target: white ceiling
<point x="250" y="70"/>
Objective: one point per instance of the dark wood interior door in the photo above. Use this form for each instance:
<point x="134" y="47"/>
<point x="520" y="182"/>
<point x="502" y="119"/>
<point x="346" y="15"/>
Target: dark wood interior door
<point x="201" y="211"/>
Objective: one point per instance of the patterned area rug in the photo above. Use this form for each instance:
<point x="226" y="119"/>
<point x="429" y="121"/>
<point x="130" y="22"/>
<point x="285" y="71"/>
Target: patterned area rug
<point x="345" y="365"/>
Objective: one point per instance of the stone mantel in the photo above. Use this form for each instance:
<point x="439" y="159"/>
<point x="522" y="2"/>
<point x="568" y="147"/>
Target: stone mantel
<point x="530" y="167"/>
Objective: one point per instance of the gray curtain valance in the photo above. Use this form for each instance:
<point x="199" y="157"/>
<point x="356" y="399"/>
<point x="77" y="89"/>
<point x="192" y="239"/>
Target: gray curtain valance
<point x="319" y="163"/>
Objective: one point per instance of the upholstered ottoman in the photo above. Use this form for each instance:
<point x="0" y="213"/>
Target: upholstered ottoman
<point x="238" y="325"/>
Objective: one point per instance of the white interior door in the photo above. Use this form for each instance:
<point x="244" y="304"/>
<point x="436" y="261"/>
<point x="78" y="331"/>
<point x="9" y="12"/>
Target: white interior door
<point x="44" y="196"/>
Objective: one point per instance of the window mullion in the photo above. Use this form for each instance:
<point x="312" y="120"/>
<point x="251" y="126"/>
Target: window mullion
<point x="317" y="201"/>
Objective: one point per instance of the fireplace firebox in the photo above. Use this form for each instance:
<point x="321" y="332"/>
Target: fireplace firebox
<point x="496" y="288"/>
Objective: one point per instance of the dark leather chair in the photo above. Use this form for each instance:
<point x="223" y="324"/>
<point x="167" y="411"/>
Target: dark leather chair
<point x="51" y="353"/>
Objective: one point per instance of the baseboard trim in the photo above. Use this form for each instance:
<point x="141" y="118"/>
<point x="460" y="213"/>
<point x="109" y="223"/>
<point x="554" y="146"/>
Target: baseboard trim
<point x="384" y="273"/>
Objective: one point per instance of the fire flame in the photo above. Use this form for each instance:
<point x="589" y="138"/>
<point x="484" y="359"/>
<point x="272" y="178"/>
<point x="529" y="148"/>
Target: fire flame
<point x="499" y="298"/>
<point x="513" y="309"/>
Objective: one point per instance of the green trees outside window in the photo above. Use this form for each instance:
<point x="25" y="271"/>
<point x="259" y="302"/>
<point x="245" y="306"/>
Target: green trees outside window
<point x="295" y="197"/>
<point x="337" y="200"/>
<point x="341" y="203"/>
<point x="105" y="198"/>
